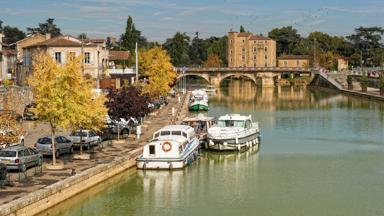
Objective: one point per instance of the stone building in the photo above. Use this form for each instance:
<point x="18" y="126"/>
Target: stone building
<point x="293" y="61"/>
<point x="248" y="50"/>
<point x="95" y="53"/>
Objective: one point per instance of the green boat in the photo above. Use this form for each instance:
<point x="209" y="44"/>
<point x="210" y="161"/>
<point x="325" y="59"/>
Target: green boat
<point x="198" y="101"/>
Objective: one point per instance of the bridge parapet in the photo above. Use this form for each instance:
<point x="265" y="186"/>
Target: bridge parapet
<point x="245" y="69"/>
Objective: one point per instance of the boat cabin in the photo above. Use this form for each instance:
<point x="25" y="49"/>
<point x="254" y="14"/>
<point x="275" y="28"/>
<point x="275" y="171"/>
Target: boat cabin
<point x="235" y="120"/>
<point x="169" y="142"/>
<point x="199" y="123"/>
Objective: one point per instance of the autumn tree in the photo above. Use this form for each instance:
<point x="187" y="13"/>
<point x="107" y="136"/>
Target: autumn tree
<point x="212" y="61"/>
<point x="155" y="64"/>
<point x="63" y="97"/>
<point x="127" y="102"/>
<point x="10" y="129"/>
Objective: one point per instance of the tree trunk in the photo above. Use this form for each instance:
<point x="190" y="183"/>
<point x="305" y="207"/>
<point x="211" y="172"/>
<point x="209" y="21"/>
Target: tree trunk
<point x="53" y="146"/>
<point x="350" y="87"/>
<point x="81" y="141"/>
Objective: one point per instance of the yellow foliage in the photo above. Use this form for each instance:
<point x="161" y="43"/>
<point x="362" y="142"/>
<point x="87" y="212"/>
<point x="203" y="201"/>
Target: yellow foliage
<point x="212" y="61"/>
<point x="156" y="65"/>
<point x="63" y="97"/>
<point x="10" y="129"/>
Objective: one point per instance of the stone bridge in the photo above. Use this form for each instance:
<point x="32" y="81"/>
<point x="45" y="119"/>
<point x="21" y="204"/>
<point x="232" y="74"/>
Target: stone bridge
<point x="262" y="76"/>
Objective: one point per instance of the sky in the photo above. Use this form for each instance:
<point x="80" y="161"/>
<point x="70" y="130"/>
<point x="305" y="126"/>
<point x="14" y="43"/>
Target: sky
<point x="159" y="20"/>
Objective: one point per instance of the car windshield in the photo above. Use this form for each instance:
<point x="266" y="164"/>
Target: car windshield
<point x="230" y="123"/>
<point x="44" y="140"/>
<point x="78" y="133"/>
<point x="7" y="154"/>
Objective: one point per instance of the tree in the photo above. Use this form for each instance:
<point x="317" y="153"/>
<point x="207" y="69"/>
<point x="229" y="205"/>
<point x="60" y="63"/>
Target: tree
<point x="178" y="49"/>
<point x="198" y="50"/>
<point x="327" y="60"/>
<point x="130" y="37"/>
<point x="10" y="129"/>
<point x="242" y="29"/>
<point x="219" y="48"/>
<point x="11" y="34"/>
<point x="355" y="59"/>
<point x="49" y="27"/>
<point x="63" y="97"/>
<point x="212" y="61"/>
<point x="365" y="41"/>
<point x="287" y="39"/>
<point x="127" y="102"/>
<point x="82" y="36"/>
<point x="155" y="64"/>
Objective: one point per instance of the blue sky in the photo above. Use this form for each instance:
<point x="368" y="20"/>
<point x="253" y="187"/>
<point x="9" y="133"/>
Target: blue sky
<point x="161" y="19"/>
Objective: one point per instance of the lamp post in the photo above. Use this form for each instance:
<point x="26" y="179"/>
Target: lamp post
<point x="98" y="68"/>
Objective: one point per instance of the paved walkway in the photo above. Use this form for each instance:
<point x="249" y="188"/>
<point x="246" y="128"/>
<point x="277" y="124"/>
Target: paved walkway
<point x="36" y="178"/>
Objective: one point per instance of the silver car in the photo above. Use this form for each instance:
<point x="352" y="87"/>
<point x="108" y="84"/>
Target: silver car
<point x="62" y="145"/>
<point x="20" y="158"/>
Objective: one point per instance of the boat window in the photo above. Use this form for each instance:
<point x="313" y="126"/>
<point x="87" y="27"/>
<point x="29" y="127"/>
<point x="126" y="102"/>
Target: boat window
<point x="152" y="150"/>
<point x="165" y="133"/>
<point x="176" y="133"/>
<point x="247" y="124"/>
<point x="185" y="135"/>
<point x="181" y="148"/>
<point x="230" y="123"/>
<point x="157" y="134"/>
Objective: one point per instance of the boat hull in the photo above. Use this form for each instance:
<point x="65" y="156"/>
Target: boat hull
<point x="230" y="144"/>
<point x="198" y="107"/>
<point x="168" y="163"/>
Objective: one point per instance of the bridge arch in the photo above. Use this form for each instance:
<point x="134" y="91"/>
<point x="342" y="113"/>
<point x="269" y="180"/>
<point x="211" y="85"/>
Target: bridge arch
<point x="249" y="76"/>
<point x="204" y="76"/>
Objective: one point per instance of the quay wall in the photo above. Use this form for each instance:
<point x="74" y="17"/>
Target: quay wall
<point x="54" y="194"/>
<point x="15" y="98"/>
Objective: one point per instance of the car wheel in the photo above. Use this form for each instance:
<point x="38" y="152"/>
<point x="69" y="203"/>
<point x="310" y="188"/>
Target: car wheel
<point x="23" y="168"/>
<point x="125" y="131"/>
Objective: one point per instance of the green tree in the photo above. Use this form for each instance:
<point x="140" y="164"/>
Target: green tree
<point x="366" y="40"/>
<point x="178" y="49"/>
<point x="63" y="97"/>
<point x="242" y="29"/>
<point x="48" y="27"/>
<point x="155" y="64"/>
<point x="130" y="37"/>
<point x="219" y="48"/>
<point x="82" y="36"/>
<point x="287" y="39"/>
<point x="355" y="59"/>
<point x="11" y="34"/>
<point x="198" y="50"/>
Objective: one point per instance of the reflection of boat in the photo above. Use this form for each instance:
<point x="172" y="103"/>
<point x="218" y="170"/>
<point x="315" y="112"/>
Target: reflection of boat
<point x="233" y="132"/>
<point x="198" y="100"/>
<point x="172" y="147"/>
<point x="201" y="124"/>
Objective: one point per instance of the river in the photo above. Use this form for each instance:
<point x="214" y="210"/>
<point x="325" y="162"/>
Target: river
<point x="322" y="153"/>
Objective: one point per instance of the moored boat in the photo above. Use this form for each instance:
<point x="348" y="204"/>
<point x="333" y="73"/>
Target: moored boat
<point x="234" y="132"/>
<point x="172" y="147"/>
<point x="200" y="124"/>
<point x="198" y="100"/>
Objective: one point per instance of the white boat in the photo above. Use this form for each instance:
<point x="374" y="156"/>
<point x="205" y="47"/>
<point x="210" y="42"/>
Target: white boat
<point x="200" y="124"/>
<point x="172" y="147"/>
<point x="198" y="100"/>
<point x="234" y="132"/>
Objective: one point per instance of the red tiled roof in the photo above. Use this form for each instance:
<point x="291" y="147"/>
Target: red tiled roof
<point x="98" y="40"/>
<point x="60" y="42"/>
<point x="244" y="34"/>
<point x="118" y="55"/>
<point x="290" y="57"/>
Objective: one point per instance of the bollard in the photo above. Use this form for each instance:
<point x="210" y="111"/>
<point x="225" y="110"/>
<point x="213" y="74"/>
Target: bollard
<point x="138" y="132"/>
<point x="173" y="111"/>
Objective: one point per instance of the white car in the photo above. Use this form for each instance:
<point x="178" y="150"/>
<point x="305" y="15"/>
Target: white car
<point x="88" y="138"/>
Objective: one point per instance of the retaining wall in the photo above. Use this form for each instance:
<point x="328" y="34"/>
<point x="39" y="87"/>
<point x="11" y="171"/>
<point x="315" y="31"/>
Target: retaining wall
<point x="52" y="195"/>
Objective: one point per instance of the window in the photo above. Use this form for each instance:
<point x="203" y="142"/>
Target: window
<point x="243" y="49"/>
<point x="231" y="41"/>
<point x="254" y="57"/>
<point x="266" y="49"/>
<point x="266" y="57"/>
<point x="176" y="133"/>
<point x="254" y="49"/>
<point x="266" y="64"/>
<point x="243" y="57"/>
<point x="26" y="152"/>
<point x="243" y="41"/>
<point x="254" y="65"/>
<point x="248" y="124"/>
<point x="152" y="150"/>
<point x="157" y="135"/>
<point x="231" y="123"/>
<point x="165" y="133"/>
<point x="58" y="57"/>
<point x="87" y="57"/>
<point x="181" y="148"/>
<point x="185" y="135"/>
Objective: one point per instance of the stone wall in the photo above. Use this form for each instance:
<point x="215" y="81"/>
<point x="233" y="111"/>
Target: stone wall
<point x="15" y="98"/>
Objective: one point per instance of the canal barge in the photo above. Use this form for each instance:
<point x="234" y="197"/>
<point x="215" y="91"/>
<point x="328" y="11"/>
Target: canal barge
<point x="234" y="132"/>
<point x="172" y="147"/>
<point x="200" y="124"/>
<point x="198" y="100"/>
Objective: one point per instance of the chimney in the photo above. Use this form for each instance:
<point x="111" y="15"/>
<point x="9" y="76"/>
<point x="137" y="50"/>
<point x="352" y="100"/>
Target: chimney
<point x="47" y="36"/>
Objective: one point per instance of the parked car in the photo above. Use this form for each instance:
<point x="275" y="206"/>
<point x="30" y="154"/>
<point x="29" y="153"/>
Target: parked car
<point x="106" y="133"/>
<point x="62" y="145"/>
<point x="88" y="138"/>
<point x="20" y="158"/>
<point x="14" y="114"/>
<point x="3" y="172"/>
<point x="28" y="113"/>
<point x="120" y="125"/>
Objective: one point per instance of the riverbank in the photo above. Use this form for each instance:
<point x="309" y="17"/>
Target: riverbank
<point x="38" y="193"/>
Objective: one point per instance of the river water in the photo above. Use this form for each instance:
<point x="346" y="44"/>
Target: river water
<point x="321" y="154"/>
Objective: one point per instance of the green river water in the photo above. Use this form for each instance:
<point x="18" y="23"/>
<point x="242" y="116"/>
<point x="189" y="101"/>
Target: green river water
<point x="322" y="153"/>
